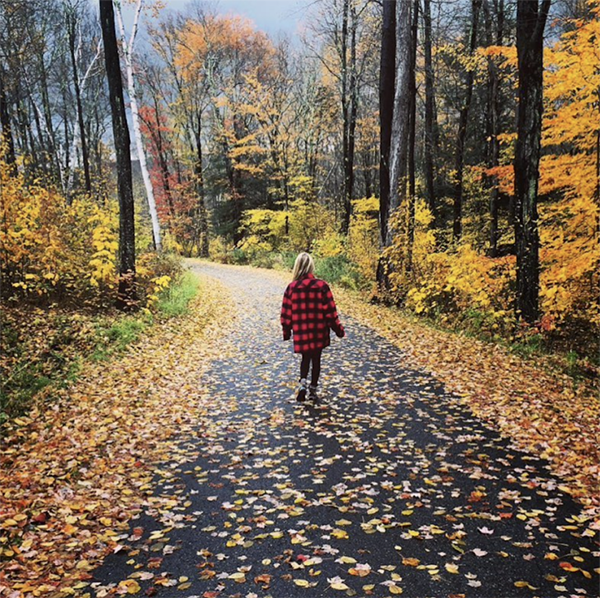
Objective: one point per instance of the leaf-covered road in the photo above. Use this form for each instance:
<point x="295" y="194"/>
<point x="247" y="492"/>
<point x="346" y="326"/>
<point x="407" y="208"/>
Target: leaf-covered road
<point x="391" y="487"/>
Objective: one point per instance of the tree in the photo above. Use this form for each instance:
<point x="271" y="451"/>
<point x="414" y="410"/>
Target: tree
<point x="493" y="124"/>
<point x="387" y="77"/>
<point x="128" y="56"/>
<point x="71" y="13"/>
<point x="6" y="139"/>
<point x="531" y="22"/>
<point x="431" y="132"/>
<point x="462" y="124"/>
<point x="400" y="134"/>
<point x="127" y="293"/>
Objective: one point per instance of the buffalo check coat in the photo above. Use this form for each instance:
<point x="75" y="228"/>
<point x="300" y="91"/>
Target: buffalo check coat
<point x="308" y="310"/>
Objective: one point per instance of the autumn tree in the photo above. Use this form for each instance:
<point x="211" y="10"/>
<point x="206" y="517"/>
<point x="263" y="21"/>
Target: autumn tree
<point x="127" y="293"/>
<point x="531" y="22"/>
<point x="128" y="51"/>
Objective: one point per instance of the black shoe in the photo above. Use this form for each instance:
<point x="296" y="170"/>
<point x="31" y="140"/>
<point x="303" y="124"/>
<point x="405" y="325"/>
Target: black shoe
<point x="312" y="394"/>
<point x="301" y="395"/>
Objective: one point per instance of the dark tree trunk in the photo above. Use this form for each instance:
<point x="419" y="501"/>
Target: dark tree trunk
<point x="202" y="217"/>
<point x="531" y="22"/>
<point x="387" y="76"/>
<point x="7" y="138"/>
<point x="47" y="113"/>
<point x="23" y="124"/>
<point x="127" y="294"/>
<point x="493" y="117"/>
<point x="351" y="124"/>
<point x="349" y="98"/>
<point x="367" y="175"/>
<point x="412" y="128"/>
<point x="462" y="126"/>
<point x="82" y="131"/>
<point x="430" y="113"/>
<point x="67" y="136"/>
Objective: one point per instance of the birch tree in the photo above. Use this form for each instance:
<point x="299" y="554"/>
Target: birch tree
<point x="128" y="47"/>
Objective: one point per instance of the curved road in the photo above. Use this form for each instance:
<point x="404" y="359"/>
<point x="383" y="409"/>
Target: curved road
<point x="390" y="486"/>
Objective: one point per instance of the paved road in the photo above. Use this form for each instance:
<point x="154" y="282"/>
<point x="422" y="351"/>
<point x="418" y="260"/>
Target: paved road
<point x="390" y="487"/>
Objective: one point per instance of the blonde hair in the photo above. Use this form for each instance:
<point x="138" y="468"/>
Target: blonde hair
<point x="303" y="265"/>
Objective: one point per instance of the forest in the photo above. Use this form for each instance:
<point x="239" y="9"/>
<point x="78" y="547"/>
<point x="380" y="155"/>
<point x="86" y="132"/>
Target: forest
<point x="386" y="138"/>
<point x="161" y="166"/>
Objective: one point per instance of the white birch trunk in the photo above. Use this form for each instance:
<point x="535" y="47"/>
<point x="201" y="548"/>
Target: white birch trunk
<point x="127" y="53"/>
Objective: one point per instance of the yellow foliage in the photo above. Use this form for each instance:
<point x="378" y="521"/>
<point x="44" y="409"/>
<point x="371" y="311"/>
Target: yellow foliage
<point x="459" y="283"/>
<point x="310" y="222"/>
<point x="106" y="245"/>
<point x="52" y="250"/>
<point x="55" y="251"/>
<point x="363" y="236"/>
<point x="264" y="230"/>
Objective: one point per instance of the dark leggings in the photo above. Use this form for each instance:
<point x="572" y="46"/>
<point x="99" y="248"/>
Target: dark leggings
<point x="313" y="357"/>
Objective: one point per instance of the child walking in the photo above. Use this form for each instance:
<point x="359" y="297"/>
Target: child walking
<point x="308" y="310"/>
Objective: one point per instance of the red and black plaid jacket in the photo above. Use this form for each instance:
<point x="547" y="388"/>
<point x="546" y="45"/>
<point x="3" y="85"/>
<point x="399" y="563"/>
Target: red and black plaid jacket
<point x="308" y="310"/>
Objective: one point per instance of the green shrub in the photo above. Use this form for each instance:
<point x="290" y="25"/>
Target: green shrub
<point x="175" y="300"/>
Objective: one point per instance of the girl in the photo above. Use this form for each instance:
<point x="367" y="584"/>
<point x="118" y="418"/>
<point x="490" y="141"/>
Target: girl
<point x="309" y="311"/>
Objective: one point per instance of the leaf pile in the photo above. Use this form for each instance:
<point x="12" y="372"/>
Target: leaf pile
<point x="543" y="411"/>
<point x="389" y="487"/>
<point x="71" y="476"/>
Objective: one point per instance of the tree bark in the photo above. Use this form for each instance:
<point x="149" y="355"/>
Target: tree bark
<point x="80" y="120"/>
<point x="462" y="126"/>
<point x="201" y="209"/>
<point x="493" y="118"/>
<point x="401" y="116"/>
<point x="531" y="22"/>
<point x="430" y="113"/>
<point x="127" y="298"/>
<point x="7" y="137"/>
<point x="412" y="128"/>
<point x="128" y="55"/>
<point x="346" y="109"/>
<point x="351" y="126"/>
<point x="387" y="74"/>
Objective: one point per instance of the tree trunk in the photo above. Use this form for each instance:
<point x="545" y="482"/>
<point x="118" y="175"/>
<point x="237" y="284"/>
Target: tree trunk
<point x="531" y="22"/>
<point x="202" y="216"/>
<point x="126" y="299"/>
<point x="430" y="113"/>
<point x="410" y="224"/>
<point x="493" y="118"/>
<point x="127" y="53"/>
<point x="401" y="117"/>
<point x="351" y="124"/>
<point x="462" y="126"/>
<point x="345" y="108"/>
<point x="7" y="138"/>
<point x="387" y="74"/>
<point x="76" y="83"/>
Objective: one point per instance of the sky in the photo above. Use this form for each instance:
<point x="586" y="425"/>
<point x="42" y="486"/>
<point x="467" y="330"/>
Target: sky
<point x="271" y="16"/>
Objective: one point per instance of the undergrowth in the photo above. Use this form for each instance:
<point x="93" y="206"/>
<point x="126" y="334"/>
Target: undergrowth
<point x="45" y="349"/>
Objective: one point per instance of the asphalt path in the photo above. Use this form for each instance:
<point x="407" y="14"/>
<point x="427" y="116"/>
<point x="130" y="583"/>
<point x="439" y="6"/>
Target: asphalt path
<point x="389" y="486"/>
